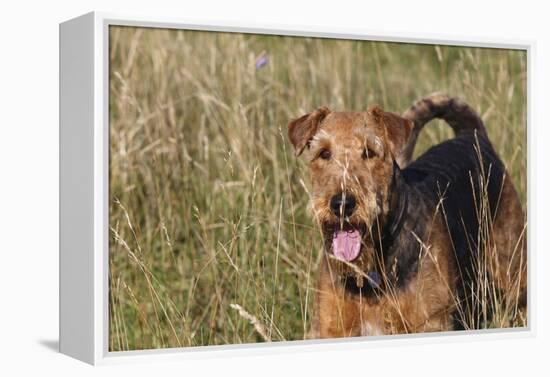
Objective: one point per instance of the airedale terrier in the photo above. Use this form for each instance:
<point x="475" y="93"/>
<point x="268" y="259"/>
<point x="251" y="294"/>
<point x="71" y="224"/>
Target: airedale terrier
<point x="410" y="247"/>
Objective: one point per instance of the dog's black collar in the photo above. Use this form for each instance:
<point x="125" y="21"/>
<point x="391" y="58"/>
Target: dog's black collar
<point x="371" y="286"/>
<point x="396" y="219"/>
<point x="399" y="203"/>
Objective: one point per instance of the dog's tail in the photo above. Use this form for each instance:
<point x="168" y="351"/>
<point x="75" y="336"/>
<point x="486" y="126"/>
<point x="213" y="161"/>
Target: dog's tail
<point x="459" y="115"/>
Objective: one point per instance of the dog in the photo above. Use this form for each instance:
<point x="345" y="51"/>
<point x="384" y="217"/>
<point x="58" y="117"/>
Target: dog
<point x="410" y="246"/>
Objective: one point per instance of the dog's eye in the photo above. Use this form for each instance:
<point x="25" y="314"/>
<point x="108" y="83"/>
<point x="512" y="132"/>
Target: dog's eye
<point x="368" y="153"/>
<point x="325" y="154"/>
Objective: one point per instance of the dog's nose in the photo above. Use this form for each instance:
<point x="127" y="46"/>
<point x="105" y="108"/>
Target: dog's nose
<point x="342" y="204"/>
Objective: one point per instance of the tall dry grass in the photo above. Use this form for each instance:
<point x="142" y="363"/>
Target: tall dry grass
<point x="211" y="241"/>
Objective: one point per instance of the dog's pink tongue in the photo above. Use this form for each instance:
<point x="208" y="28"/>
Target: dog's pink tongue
<point x="346" y="245"/>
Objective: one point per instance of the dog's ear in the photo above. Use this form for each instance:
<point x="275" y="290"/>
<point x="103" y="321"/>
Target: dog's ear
<point x="302" y="130"/>
<point x="397" y="129"/>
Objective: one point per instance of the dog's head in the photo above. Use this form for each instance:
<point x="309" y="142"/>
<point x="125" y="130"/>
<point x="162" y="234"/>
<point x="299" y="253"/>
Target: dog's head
<point x="351" y="157"/>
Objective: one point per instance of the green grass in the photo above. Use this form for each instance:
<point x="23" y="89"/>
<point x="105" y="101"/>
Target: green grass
<point x="207" y="208"/>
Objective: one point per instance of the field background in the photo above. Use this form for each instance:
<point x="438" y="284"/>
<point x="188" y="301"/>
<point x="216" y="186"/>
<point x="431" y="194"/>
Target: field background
<point x="211" y="241"/>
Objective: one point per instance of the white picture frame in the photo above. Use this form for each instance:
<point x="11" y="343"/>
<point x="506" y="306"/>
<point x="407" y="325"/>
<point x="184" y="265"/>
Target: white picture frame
<point x="84" y="191"/>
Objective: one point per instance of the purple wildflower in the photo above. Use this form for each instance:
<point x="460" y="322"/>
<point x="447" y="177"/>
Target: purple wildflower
<point x="261" y="61"/>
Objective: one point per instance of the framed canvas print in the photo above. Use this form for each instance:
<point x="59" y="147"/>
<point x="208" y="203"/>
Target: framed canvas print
<point x="234" y="189"/>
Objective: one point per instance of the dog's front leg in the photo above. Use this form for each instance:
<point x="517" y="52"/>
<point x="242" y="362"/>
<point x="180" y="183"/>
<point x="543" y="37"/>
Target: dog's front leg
<point x="338" y="313"/>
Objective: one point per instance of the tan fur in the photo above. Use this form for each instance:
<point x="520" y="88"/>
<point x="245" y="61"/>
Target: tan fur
<point x="508" y="259"/>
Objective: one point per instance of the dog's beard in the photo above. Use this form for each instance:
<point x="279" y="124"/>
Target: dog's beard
<point x="349" y="250"/>
<point x="349" y="243"/>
